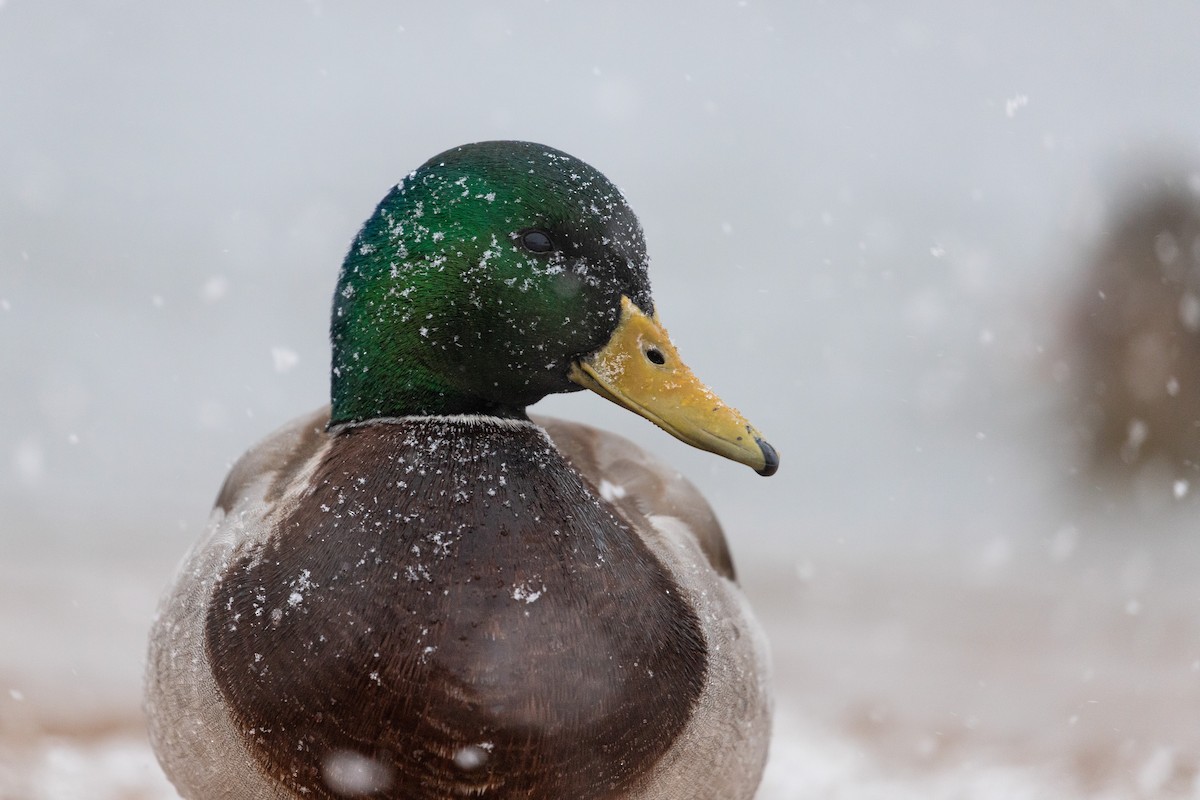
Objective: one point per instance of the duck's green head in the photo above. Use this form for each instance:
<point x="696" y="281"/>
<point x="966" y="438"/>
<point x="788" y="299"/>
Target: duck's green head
<point x="498" y="273"/>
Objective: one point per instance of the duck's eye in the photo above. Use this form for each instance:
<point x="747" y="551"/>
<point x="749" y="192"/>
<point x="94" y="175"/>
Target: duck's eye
<point x="537" y="241"/>
<point x="655" y="355"/>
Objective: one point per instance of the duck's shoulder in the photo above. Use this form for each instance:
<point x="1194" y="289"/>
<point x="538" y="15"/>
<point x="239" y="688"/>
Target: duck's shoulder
<point x="639" y="484"/>
<point x="266" y="470"/>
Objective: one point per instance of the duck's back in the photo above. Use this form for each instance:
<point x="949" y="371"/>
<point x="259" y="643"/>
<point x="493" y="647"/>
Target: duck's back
<point x="435" y="608"/>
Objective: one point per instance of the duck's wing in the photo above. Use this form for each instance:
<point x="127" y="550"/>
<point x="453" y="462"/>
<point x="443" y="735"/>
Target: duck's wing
<point x="197" y="742"/>
<point x="268" y="468"/>
<point x="639" y="484"/>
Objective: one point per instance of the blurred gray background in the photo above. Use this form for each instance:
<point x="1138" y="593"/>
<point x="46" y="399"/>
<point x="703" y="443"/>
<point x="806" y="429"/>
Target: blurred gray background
<point x="866" y="221"/>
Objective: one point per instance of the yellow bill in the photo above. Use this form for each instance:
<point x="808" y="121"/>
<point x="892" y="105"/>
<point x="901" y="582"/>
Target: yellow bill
<point x="640" y="369"/>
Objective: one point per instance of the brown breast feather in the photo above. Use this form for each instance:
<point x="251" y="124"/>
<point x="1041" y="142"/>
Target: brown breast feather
<point x="488" y="630"/>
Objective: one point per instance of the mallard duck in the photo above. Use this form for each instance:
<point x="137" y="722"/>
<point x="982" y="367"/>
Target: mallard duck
<point x="1136" y="340"/>
<point x="420" y="591"/>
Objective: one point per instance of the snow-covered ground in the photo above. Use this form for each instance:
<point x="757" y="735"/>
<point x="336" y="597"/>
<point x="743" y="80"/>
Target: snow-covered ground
<point x="867" y="224"/>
